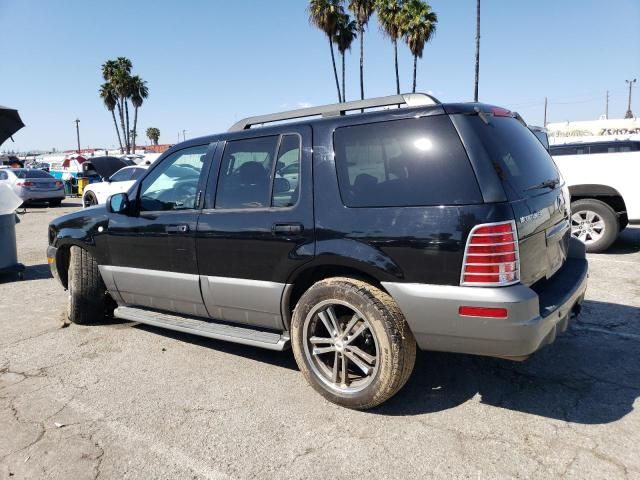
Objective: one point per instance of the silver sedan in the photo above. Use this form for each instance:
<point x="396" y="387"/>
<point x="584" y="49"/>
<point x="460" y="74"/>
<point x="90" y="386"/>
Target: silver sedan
<point x="33" y="185"/>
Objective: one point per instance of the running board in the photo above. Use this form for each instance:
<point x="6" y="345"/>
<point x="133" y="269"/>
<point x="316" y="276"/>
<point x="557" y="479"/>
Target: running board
<point x="205" y="328"/>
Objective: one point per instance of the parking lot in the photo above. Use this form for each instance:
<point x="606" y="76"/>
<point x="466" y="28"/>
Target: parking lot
<point x="122" y="400"/>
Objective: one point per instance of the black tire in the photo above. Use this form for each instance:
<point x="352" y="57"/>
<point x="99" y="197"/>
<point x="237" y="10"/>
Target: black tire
<point x="55" y="203"/>
<point x="580" y="208"/>
<point x="87" y="293"/>
<point x="89" y="199"/>
<point x="395" y="344"/>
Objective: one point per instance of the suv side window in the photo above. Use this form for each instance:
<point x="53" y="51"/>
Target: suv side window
<point x="411" y="162"/>
<point x="251" y="178"/>
<point x="173" y="185"/>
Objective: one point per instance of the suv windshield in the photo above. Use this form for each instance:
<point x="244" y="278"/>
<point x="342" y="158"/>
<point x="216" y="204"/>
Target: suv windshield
<point x="522" y="162"/>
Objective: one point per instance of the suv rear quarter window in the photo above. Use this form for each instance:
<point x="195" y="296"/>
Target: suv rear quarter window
<point x="410" y="162"/>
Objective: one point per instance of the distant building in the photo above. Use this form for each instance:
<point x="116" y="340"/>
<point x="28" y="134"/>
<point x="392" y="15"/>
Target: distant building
<point x="157" y="148"/>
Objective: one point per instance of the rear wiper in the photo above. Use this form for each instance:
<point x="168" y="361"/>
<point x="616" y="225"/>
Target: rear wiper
<point x="553" y="183"/>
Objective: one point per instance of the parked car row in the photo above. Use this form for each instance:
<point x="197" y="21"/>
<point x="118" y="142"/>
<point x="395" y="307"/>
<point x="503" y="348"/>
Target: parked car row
<point x="33" y="185"/>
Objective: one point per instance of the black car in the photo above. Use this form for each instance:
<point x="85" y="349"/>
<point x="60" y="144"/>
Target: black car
<point x="432" y="226"/>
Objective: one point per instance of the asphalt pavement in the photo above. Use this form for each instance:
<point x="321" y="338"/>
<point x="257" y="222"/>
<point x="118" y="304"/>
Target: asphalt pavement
<point x="123" y="400"/>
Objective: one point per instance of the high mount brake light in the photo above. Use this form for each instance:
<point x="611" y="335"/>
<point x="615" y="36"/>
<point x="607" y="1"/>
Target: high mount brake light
<point x="491" y="256"/>
<point x="501" y="112"/>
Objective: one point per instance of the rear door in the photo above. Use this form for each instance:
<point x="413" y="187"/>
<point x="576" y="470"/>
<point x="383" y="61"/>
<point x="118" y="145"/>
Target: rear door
<point x="533" y="187"/>
<point x="257" y="226"/>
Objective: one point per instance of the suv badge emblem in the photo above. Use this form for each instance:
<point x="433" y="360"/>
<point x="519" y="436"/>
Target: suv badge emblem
<point x="532" y="216"/>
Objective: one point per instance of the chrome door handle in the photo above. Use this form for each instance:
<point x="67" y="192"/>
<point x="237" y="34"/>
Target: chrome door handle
<point x="286" y="228"/>
<point x="176" y="228"/>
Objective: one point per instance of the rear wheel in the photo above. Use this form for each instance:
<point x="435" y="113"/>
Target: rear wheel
<point x="89" y="199"/>
<point x="594" y="223"/>
<point x="352" y="342"/>
<point x="87" y="294"/>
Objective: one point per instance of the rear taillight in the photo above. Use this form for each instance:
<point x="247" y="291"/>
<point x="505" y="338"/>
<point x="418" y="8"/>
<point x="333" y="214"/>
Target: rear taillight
<point x="491" y="257"/>
<point x="25" y="183"/>
<point x="58" y="183"/>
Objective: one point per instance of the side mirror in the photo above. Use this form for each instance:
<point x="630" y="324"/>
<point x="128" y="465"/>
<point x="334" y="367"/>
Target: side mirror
<point x="118" y="203"/>
<point x="281" y="185"/>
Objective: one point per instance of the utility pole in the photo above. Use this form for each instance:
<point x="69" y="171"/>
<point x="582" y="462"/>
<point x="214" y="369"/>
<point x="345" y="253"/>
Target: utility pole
<point x="475" y="87"/>
<point x="78" y="133"/>
<point x="544" y="124"/>
<point x="629" y="113"/>
<point x="606" y="108"/>
<point x="183" y="135"/>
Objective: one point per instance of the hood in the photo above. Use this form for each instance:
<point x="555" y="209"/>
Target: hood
<point x="105" y="166"/>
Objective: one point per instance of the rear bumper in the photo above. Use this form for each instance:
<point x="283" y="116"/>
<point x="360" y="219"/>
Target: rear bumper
<point x="41" y="195"/>
<point x="535" y="315"/>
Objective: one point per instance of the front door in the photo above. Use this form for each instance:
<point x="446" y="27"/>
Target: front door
<point x="257" y="225"/>
<point x="152" y="250"/>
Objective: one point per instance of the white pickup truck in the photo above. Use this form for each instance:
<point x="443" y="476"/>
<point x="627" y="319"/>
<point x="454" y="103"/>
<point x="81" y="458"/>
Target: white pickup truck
<point x="604" y="181"/>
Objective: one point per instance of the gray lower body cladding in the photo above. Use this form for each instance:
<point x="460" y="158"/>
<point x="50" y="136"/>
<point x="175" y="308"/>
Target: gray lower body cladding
<point x="533" y="318"/>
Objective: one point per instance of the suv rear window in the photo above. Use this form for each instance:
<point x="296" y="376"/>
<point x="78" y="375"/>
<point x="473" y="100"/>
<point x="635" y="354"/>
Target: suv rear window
<point x="518" y="157"/>
<point x="410" y="162"/>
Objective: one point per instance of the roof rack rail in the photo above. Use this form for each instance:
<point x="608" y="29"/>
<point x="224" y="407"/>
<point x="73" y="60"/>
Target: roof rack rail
<point x="335" y="109"/>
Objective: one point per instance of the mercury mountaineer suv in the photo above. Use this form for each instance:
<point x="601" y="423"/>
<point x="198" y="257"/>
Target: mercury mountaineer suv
<point x="355" y="238"/>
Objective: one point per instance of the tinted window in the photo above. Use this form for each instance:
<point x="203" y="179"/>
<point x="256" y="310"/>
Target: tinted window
<point x="418" y="161"/>
<point x="563" y="151"/>
<point x="285" y="187"/>
<point x="173" y="185"/>
<point x="136" y="173"/>
<point x="245" y="173"/>
<point x="23" y="173"/>
<point x="602" y="148"/>
<point x="518" y="157"/>
<point x="122" y="175"/>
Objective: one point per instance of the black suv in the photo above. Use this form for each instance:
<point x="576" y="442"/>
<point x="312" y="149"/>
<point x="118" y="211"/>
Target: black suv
<point x="354" y="238"/>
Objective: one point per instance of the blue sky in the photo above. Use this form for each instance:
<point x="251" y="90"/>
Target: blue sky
<point x="210" y="62"/>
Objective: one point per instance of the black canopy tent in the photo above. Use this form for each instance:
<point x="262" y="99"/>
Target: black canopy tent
<point x="10" y="123"/>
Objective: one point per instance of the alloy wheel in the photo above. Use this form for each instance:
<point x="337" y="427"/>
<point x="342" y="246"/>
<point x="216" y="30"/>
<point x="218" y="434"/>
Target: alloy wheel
<point x="587" y="226"/>
<point x="340" y="346"/>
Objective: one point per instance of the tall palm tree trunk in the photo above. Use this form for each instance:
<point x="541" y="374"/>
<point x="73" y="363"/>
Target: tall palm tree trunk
<point x="115" y="124"/>
<point x="335" y="70"/>
<point x="344" y="90"/>
<point x="122" y="126"/>
<point x="395" y="52"/>
<point x="415" y="69"/>
<point x="135" y="126"/>
<point x="475" y="89"/>
<point x="361" y="62"/>
<point x="128" y="136"/>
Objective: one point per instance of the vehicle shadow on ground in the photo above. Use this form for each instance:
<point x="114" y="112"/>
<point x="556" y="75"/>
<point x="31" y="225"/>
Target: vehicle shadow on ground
<point x="31" y="272"/>
<point x="586" y="376"/>
<point x="627" y="242"/>
<point x="278" y="359"/>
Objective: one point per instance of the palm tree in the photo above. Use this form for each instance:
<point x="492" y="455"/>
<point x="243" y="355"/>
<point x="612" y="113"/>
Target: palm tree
<point x="418" y="22"/>
<point x="390" y="23"/>
<point x="475" y="88"/>
<point x="343" y="38"/>
<point x="325" y="15"/>
<point x="362" y="11"/>
<point x="108" y="96"/>
<point x="139" y="92"/>
<point x="153" y="134"/>
<point x="118" y="73"/>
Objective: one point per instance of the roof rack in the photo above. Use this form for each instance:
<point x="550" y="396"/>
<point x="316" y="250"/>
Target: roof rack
<point x="336" y="109"/>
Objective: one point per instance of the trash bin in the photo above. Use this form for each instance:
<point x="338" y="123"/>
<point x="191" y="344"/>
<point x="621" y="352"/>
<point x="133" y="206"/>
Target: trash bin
<point x="8" y="251"/>
<point x="82" y="182"/>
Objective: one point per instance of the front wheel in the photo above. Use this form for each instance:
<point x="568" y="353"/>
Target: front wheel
<point x="89" y="199"/>
<point x="352" y="342"/>
<point x="594" y="223"/>
<point x="87" y="293"/>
